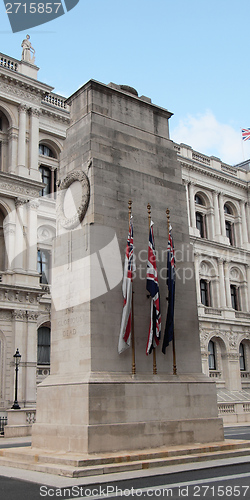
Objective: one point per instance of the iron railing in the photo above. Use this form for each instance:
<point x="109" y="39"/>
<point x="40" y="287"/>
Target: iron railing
<point x="3" y="423"/>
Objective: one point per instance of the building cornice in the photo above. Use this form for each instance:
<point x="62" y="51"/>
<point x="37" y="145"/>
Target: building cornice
<point x="11" y="184"/>
<point x="23" y="82"/>
<point x="210" y="172"/>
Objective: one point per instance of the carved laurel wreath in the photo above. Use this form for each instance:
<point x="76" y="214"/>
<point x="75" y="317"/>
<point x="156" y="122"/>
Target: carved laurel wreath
<point x="76" y="175"/>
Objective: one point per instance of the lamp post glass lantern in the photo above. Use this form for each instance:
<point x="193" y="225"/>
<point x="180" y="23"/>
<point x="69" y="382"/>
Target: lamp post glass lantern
<point x="17" y="358"/>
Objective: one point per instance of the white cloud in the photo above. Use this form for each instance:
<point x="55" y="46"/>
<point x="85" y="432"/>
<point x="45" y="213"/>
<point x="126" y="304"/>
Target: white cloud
<point x="208" y="136"/>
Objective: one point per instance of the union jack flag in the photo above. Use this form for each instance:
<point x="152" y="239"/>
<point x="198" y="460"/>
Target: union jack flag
<point x="169" y="328"/>
<point x="154" y="333"/>
<point x="129" y="268"/>
<point x="245" y="134"/>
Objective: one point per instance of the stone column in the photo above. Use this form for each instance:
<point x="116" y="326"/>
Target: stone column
<point x="9" y="238"/>
<point x="222" y="216"/>
<point x="32" y="236"/>
<point x="31" y="358"/>
<point x="222" y="283"/>
<point x="227" y="285"/>
<point x="248" y="286"/>
<point x="187" y="197"/>
<point x="217" y="229"/>
<point x="19" y="237"/>
<point x="192" y="204"/>
<point x="244" y="222"/>
<point x="4" y="155"/>
<point x="34" y="141"/>
<point x="19" y="318"/>
<point x="197" y="276"/>
<point x="13" y="141"/>
<point x="21" y="152"/>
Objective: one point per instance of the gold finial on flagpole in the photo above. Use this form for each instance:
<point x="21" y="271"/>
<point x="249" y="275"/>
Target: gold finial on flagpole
<point x="132" y="305"/>
<point x="154" y="353"/>
<point x="129" y="210"/>
<point x="173" y="341"/>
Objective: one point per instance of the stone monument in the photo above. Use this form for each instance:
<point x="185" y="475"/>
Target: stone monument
<point x="118" y="148"/>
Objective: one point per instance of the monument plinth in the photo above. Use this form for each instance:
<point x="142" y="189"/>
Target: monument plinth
<point x="118" y="148"/>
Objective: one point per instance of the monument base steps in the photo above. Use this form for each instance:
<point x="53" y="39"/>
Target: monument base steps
<point x="76" y="465"/>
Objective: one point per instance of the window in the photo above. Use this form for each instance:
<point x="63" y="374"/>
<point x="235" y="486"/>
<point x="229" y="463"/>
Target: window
<point x="235" y="297"/>
<point x="198" y="200"/>
<point x="205" y="293"/>
<point x="211" y="355"/>
<point x="43" y="346"/>
<point x="46" y="151"/>
<point x="43" y="266"/>
<point x="227" y="209"/>
<point x="47" y="169"/>
<point x="229" y="232"/>
<point x="201" y="224"/>
<point x="49" y="179"/>
<point x="242" y="357"/>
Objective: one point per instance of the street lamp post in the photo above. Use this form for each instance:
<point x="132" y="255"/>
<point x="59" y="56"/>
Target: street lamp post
<point x="17" y="357"/>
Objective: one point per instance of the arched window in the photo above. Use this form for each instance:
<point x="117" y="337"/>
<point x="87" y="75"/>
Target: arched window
<point x="205" y="293"/>
<point x="46" y="151"/>
<point x="229" y="223"/>
<point x="211" y="355"/>
<point x="48" y="169"/>
<point x="227" y="209"/>
<point x="43" y="346"/>
<point x="242" y="357"/>
<point x="198" y="200"/>
<point x="200" y="215"/>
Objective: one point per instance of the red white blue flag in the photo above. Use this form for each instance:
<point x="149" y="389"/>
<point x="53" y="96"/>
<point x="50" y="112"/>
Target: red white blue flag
<point x="245" y="134"/>
<point x="154" y="333"/>
<point x="129" y="268"/>
<point x="169" y="328"/>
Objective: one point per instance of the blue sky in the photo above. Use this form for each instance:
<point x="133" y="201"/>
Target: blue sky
<point x="189" y="56"/>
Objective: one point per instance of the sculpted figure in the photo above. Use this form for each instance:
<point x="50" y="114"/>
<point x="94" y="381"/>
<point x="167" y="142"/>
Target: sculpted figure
<point x="28" y="50"/>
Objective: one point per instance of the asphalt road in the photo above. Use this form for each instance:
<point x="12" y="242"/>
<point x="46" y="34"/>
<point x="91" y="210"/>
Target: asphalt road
<point x="227" y="481"/>
<point x="237" y="433"/>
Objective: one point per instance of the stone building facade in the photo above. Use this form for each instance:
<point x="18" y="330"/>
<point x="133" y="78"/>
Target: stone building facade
<point x="33" y="125"/>
<point x="219" y="228"/>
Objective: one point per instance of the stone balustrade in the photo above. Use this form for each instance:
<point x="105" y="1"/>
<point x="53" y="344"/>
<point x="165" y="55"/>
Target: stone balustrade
<point x="6" y="62"/>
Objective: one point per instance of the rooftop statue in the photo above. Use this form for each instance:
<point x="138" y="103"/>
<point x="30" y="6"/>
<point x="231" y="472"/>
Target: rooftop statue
<point x="28" y="53"/>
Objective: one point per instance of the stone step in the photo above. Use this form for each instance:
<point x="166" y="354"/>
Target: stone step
<point x="32" y="455"/>
<point x="29" y="459"/>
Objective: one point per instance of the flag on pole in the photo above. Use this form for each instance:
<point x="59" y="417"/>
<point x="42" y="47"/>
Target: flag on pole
<point x="129" y="268"/>
<point x="245" y="134"/>
<point x="169" y="328"/>
<point x="154" y="333"/>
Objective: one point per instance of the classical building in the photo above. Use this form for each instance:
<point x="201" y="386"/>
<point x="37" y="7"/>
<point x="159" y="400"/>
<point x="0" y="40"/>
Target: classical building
<point x="33" y="125"/>
<point x="219" y="228"/>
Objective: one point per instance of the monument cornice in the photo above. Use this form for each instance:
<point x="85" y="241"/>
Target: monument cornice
<point x="109" y="89"/>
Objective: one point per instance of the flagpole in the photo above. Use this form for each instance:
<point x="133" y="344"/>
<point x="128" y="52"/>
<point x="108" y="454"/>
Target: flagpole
<point x="132" y="307"/>
<point x="154" y="353"/>
<point x="173" y="341"/>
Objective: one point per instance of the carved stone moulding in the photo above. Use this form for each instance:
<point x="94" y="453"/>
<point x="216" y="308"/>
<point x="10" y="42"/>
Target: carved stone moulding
<point x="80" y="176"/>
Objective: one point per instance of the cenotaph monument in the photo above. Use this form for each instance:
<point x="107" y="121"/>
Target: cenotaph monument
<point x="118" y="149"/>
